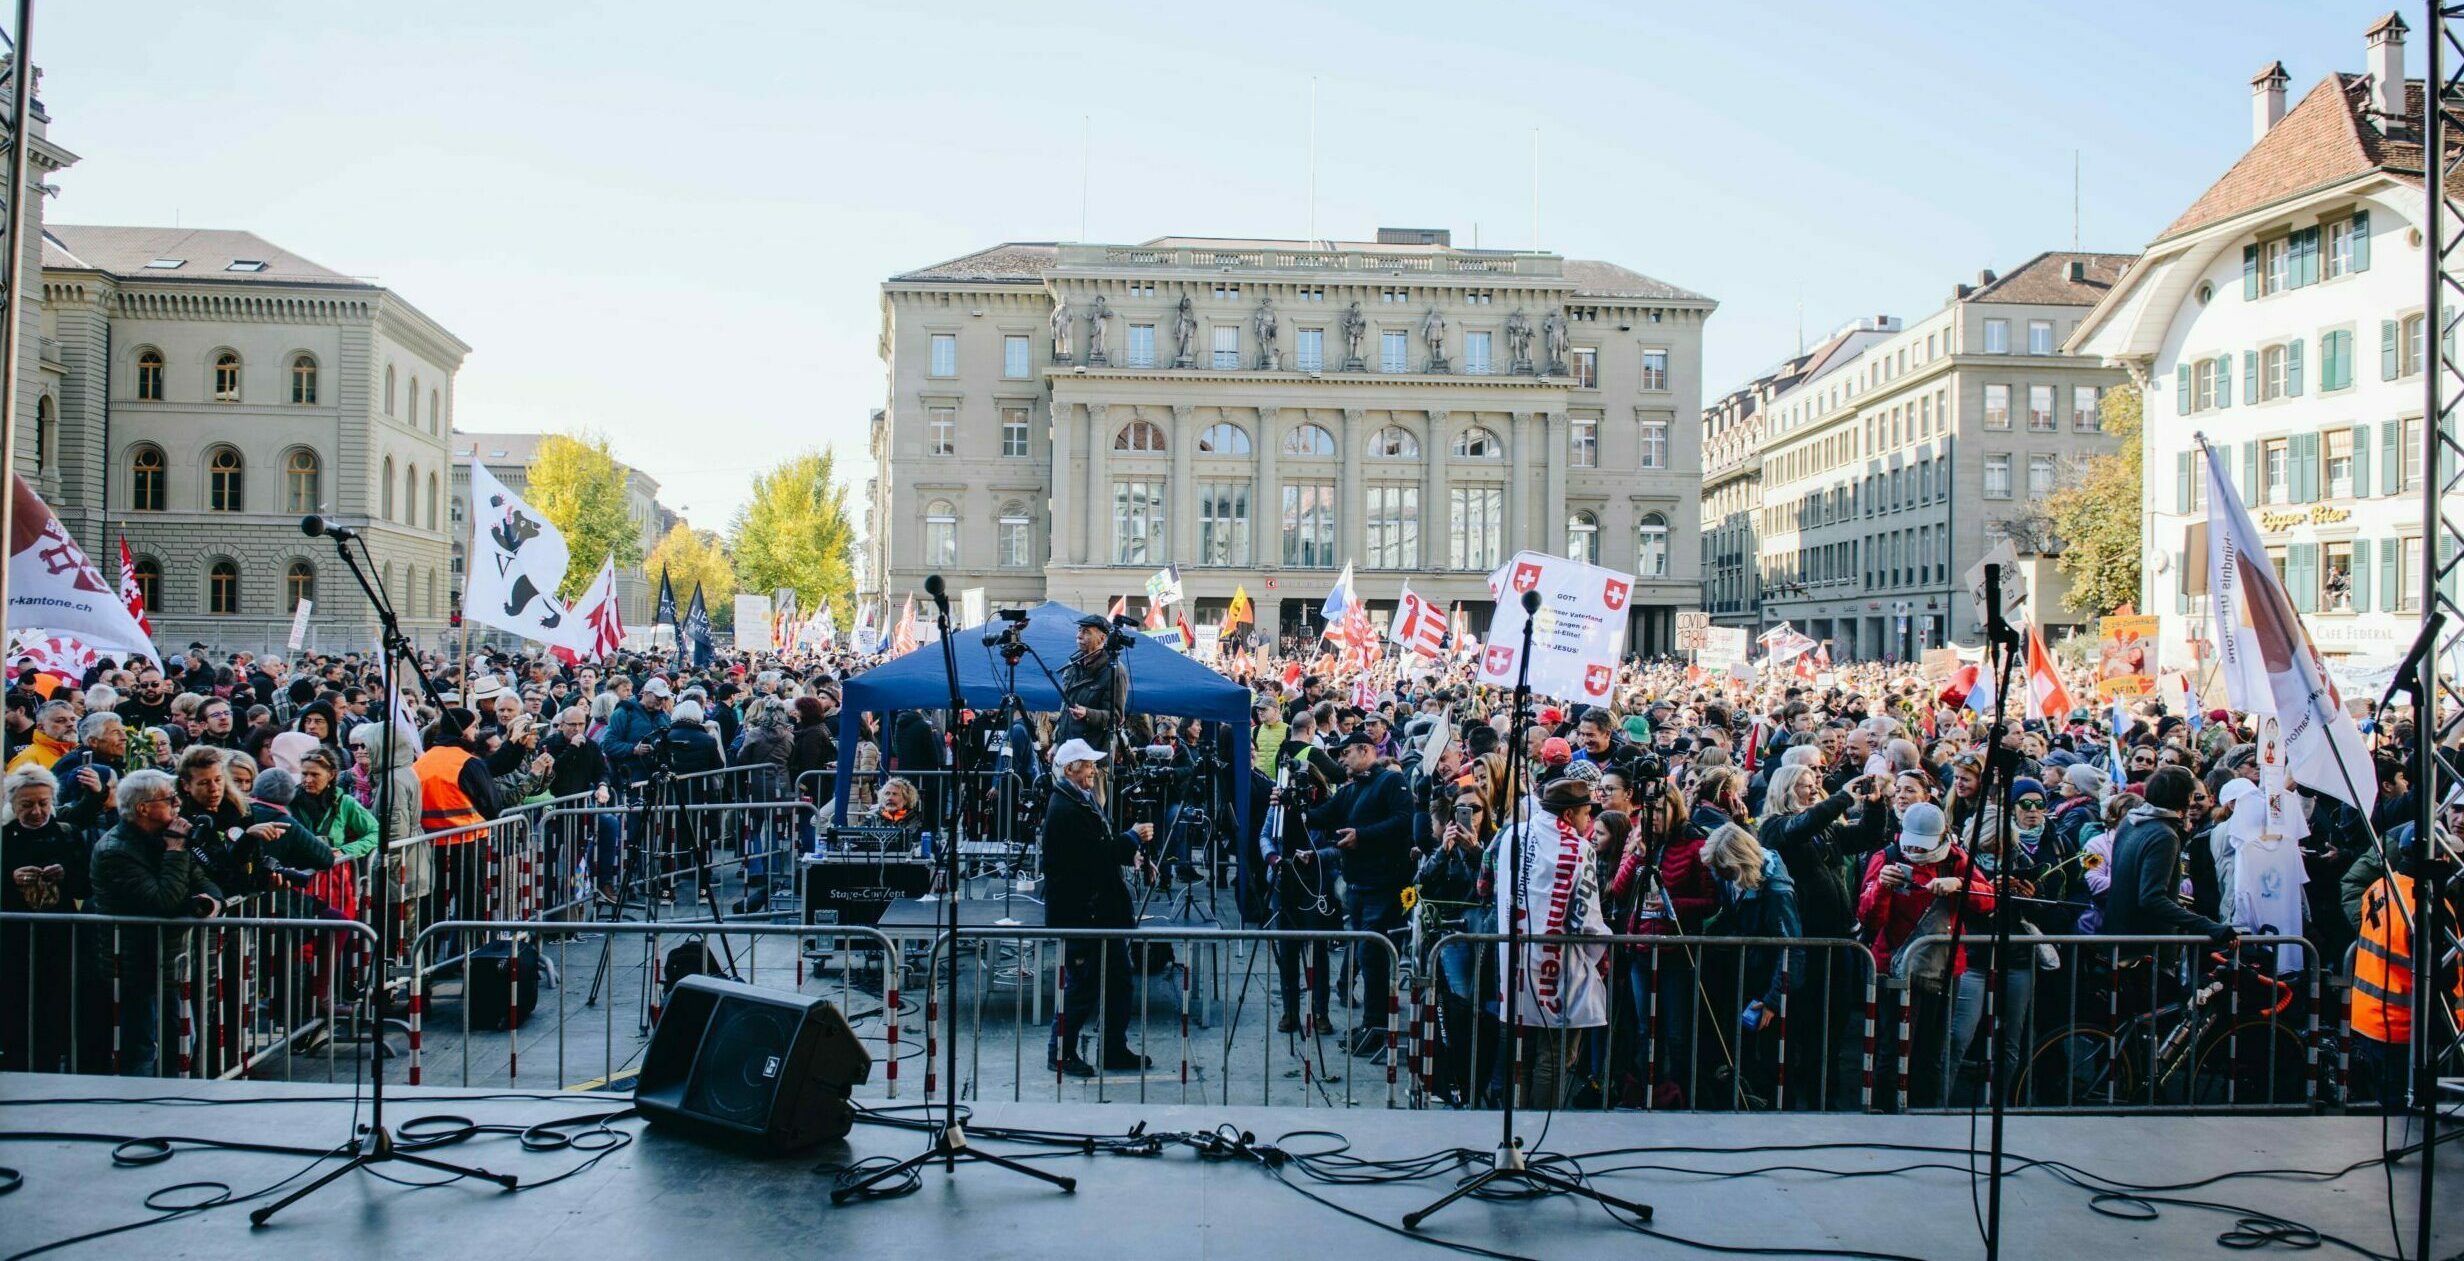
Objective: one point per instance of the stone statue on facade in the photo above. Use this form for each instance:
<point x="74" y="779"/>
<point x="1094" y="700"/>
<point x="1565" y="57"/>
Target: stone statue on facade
<point x="1518" y="341"/>
<point x="1267" y="327"/>
<point x="1553" y="332"/>
<point x="1061" y="340"/>
<point x="1433" y="335"/>
<point x="1097" y="317"/>
<point x="1355" y="327"/>
<point x="1184" y="334"/>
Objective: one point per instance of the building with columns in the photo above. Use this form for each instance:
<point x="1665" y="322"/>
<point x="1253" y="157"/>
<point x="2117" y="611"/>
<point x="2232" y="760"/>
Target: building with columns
<point x="2281" y="315"/>
<point x="1066" y="419"/>
<point x="1732" y="472"/>
<point x="1891" y="471"/>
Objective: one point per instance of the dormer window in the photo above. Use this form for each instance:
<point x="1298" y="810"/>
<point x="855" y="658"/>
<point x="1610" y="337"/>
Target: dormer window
<point x="245" y="264"/>
<point x="165" y="264"/>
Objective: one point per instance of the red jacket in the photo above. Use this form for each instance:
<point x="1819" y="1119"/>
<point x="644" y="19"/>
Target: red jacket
<point x="1683" y="876"/>
<point x="1891" y="915"/>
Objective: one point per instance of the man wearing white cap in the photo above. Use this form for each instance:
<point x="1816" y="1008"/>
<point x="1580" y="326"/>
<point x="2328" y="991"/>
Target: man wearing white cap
<point x="1083" y="888"/>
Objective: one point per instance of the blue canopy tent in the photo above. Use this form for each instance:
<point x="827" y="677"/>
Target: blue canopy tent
<point x="1161" y="681"/>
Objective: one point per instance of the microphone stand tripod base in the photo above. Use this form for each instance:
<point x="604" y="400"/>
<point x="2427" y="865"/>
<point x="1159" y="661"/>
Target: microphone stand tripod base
<point x="1509" y="1166"/>
<point x="949" y="1147"/>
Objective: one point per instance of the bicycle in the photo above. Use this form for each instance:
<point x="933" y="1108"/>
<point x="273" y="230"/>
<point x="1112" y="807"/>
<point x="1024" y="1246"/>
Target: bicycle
<point x="2194" y="1050"/>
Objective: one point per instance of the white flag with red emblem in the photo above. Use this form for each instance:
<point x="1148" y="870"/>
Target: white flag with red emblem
<point x="54" y="588"/>
<point x="2047" y="697"/>
<point x="131" y="594"/>
<point x="600" y="624"/>
<point x="1418" y="626"/>
<point x="1577" y="636"/>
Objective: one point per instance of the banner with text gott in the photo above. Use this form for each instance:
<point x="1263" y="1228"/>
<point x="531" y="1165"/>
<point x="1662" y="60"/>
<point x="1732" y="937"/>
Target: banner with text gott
<point x="1577" y="637"/>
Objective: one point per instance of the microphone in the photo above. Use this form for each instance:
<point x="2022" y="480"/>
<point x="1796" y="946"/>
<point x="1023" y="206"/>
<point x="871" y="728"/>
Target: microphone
<point x="939" y="591"/>
<point x="1531" y="602"/>
<point x="313" y="525"/>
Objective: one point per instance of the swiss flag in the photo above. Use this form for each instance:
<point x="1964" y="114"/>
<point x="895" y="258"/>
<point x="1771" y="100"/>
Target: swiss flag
<point x="1596" y="679"/>
<point x="2047" y="697"/>
<point x="1500" y="659"/>
<point x="1526" y="576"/>
<point x="1614" y="594"/>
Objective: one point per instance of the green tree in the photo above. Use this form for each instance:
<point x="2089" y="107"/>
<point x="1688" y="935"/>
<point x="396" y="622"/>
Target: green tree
<point x="578" y="484"/>
<point x="794" y="533"/>
<point x="689" y="556"/>
<point x="2099" y="520"/>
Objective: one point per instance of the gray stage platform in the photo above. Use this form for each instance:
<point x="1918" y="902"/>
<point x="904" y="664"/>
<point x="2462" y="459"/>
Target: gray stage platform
<point x="667" y="1197"/>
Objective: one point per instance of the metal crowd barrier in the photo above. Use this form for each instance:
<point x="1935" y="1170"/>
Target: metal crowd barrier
<point x="1671" y="1025"/>
<point x="638" y="986"/>
<point x="755" y="842"/>
<point x="217" y="998"/>
<point x="1195" y="992"/>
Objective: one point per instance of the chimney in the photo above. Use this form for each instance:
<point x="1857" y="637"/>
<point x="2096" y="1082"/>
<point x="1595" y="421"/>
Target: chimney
<point x="2077" y="272"/>
<point x="2386" y="63"/>
<point x="1984" y="278"/>
<point x="2267" y="99"/>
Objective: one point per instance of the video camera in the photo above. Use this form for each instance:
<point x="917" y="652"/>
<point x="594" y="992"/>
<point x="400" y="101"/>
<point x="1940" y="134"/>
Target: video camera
<point x="1010" y="636"/>
<point x="235" y="859"/>
<point x="1124" y="634"/>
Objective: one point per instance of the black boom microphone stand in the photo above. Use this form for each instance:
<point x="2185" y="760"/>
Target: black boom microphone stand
<point x="1509" y="1164"/>
<point x="949" y="1145"/>
<point x="378" y="1147"/>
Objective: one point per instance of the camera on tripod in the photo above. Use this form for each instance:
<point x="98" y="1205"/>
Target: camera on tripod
<point x="1124" y="634"/>
<point x="1011" y="637"/>
<point x="1650" y="778"/>
<point x="235" y="859"/>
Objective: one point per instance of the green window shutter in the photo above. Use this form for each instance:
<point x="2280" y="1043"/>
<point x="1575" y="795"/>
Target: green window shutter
<point x="2250" y="273"/>
<point x="2387" y="575"/>
<point x="2361" y="461"/>
<point x="2390" y="460"/>
<point x="2181" y="582"/>
<point x="2224" y="381"/>
<point x="2335" y="360"/>
<point x="2361" y="240"/>
<point x="2386" y="350"/>
<point x="2361" y="575"/>
<point x="2292" y="369"/>
<point x="2181" y="390"/>
<point x="2301" y="573"/>
<point x="2305" y="455"/>
<point x="2181" y="482"/>
<point x="2306" y="256"/>
<point x="2446" y="455"/>
<point x="2250" y="375"/>
<point x="2250" y="471"/>
<point x="2446" y="556"/>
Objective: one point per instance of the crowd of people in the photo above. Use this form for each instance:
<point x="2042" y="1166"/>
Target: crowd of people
<point x="1868" y="809"/>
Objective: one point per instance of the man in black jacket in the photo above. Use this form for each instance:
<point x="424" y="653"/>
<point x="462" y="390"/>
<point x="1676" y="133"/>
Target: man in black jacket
<point x="2145" y="897"/>
<point x="1366" y="827"/>
<point x="1092" y="690"/>
<point x="143" y="867"/>
<point x="1083" y="888"/>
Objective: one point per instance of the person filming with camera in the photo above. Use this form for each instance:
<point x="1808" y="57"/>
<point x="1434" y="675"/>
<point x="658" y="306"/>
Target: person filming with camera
<point x="1083" y="888"/>
<point x="1366" y="830"/>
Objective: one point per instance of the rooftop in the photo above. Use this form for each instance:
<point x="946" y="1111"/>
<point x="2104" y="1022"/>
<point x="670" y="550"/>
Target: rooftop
<point x="1027" y="262"/>
<point x="2046" y="280"/>
<point x="183" y="254"/>
<point x="2329" y="137"/>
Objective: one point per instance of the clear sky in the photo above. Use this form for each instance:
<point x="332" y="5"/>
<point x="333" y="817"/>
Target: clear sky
<point x="669" y="223"/>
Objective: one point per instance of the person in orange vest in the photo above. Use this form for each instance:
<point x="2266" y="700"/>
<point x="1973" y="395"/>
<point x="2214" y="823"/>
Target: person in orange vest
<point x="2383" y="985"/>
<point x="456" y="790"/>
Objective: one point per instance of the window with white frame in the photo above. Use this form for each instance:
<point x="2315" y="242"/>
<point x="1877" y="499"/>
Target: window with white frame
<point x="2271" y="373"/>
<point x="2040" y="476"/>
<point x="1223" y="523"/>
<point x="1477" y="443"/>
<point x="1476" y="527"/>
<point x="2408" y="454"/>
<point x="1394" y="442"/>
<point x="1309" y="525"/>
<point x="1651" y="547"/>
<point x="2339" y="460"/>
<point x="1394" y="351"/>
<point x="2275" y="469"/>
<point x="2040" y="337"/>
<point x="1654" y="443"/>
<point x="1584" y="440"/>
<point x="1014" y="431"/>
<point x="1997" y="337"/>
<point x="2275" y="262"/>
<point x="1138" y="523"/>
<point x="1476" y="354"/>
<point x="2340" y="254"/>
<point x="945" y="355"/>
<point x="1015" y="546"/>
<point x="1586" y="368"/>
<point x="1223" y="438"/>
<point x="2412" y="348"/>
<point x="1393" y="521"/>
<point x="2040" y="409"/>
<point x="1583" y="537"/>
<point x="941" y="431"/>
<point x="1014" y="358"/>
<point x="940" y="534"/>
<point x="1142" y="345"/>
<point x="1311" y="349"/>
<point x="1227" y="347"/>
<point x="1997" y="407"/>
<point x="1655" y="370"/>
<point x="2086" y="413"/>
<point x="1998" y="475"/>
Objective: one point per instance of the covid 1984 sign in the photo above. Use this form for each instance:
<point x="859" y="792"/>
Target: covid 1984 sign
<point x="1577" y="636"/>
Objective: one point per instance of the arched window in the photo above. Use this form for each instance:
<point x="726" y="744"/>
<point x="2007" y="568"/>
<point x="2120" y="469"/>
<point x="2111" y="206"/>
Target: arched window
<point x="1651" y="547"/>
<point x="227" y="376"/>
<point x="303" y="379"/>
<point x="940" y="534"/>
<point x="1223" y="438"/>
<point x="410" y="402"/>
<point x="410" y="495"/>
<point x="432" y="611"/>
<point x="385" y="491"/>
<point x="299" y="583"/>
<point x="149" y="573"/>
<point x="1309" y="440"/>
<point x="1014" y="544"/>
<point x="431" y="503"/>
<point x="1478" y="444"/>
<point x="149" y="375"/>
<point x="1395" y="442"/>
<point x="222" y="587"/>
<point x="433" y="412"/>
<point x="301" y="493"/>
<point x="145" y="478"/>
<point x="223" y="486"/>
<point x="1139" y="435"/>
<point x="1583" y="538"/>
<point x="389" y="389"/>
<point x="42" y="433"/>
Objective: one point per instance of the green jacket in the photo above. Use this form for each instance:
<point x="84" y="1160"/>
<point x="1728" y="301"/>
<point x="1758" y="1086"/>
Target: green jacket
<point x="344" y="824"/>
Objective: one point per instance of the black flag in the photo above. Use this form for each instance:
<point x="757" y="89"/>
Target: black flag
<point x="696" y="630"/>
<point x="666" y="614"/>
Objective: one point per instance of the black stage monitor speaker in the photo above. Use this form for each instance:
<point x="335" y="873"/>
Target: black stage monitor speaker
<point x="770" y="1069"/>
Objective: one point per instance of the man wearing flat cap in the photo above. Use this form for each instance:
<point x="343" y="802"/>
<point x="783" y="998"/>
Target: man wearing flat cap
<point x="1365" y="831"/>
<point x="1083" y="888"/>
<point x="1093" y="688"/>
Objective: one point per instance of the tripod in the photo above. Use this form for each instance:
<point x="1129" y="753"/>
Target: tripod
<point x="379" y="1146"/>
<point x="949" y="1145"/>
<point x="1508" y="1164"/>
<point x="658" y="792"/>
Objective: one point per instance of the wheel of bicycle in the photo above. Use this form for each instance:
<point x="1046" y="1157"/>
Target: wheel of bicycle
<point x="2079" y="1067"/>
<point x="2256" y="1062"/>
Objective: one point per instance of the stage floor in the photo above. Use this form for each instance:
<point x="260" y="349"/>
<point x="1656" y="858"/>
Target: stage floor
<point x="665" y="1196"/>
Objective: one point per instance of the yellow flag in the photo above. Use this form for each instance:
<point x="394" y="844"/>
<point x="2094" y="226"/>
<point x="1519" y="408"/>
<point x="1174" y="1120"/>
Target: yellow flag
<point x="1237" y="613"/>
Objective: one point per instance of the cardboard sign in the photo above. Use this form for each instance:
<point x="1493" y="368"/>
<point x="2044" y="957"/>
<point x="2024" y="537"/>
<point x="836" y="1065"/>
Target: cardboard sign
<point x="1577" y="637"/>
<point x="1691" y="624"/>
<point x="2125" y="656"/>
<point x="299" y="624"/>
<point x="1722" y="644"/>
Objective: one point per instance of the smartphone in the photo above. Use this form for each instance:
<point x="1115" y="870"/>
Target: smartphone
<point x="1463" y="816"/>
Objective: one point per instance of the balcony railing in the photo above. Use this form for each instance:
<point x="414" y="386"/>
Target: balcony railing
<point x="1450" y="263"/>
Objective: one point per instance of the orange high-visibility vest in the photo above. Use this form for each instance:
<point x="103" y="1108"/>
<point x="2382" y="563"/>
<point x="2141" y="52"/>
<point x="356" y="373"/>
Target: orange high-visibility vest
<point x="442" y="803"/>
<point x="2383" y="962"/>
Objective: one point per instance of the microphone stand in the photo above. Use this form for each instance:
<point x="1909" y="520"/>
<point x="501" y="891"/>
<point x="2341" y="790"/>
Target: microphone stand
<point x="378" y="1147"/>
<point x="949" y="1145"/>
<point x="1508" y="1164"/>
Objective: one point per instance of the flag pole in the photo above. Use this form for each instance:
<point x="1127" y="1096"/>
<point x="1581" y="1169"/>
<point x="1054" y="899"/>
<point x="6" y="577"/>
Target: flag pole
<point x="12" y="310"/>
